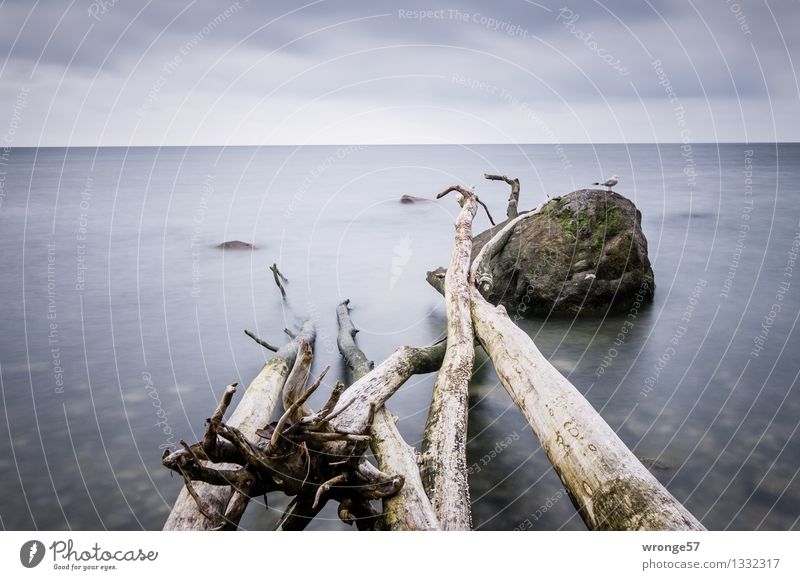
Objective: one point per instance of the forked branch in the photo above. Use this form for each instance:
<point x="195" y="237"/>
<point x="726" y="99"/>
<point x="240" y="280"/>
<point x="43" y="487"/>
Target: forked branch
<point x="513" y="199"/>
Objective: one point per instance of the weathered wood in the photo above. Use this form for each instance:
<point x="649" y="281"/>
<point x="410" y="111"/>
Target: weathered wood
<point x="253" y="412"/>
<point x="316" y="457"/>
<point x="263" y="343"/>
<point x="295" y="384"/>
<point x="444" y="447"/>
<point x="608" y="484"/>
<point x="358" y="403"/>
<point x="513" y="199"/>
<point x="308" y="459"/>
<point x="409" y="508"/>
<point x="280" y="279"/>
<point x="467" y="193"/>
<point x="356" y="361"/>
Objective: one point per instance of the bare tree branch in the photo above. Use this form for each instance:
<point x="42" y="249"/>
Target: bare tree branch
<point x="466" y="193"/>
<point x="263" y="343"/>
<point x="409" y="508"/>
<point x="513" y="198"/>
<point x="280" y="279"/>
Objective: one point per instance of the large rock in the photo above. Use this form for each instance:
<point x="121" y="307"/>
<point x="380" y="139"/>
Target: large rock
<point x="585" y="252"/>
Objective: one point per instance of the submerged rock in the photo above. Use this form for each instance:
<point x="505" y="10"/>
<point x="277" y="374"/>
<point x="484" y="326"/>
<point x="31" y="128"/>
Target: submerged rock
<point x="584" y="252"/>
<point x="236" y="245"/>
<point x="413" y="199"/>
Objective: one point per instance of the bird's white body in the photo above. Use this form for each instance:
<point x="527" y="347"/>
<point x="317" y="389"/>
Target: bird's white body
<point x="608" y="183"/>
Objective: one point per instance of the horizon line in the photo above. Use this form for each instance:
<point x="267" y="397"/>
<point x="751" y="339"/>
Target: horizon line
<point x="176" y="146"/>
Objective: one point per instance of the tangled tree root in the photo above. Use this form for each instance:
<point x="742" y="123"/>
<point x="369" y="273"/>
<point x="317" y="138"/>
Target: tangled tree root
<point x="301" y="454"/>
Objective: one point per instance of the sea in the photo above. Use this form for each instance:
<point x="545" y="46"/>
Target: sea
<point x="122" y="322"/>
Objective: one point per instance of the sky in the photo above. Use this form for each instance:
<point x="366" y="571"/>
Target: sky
<point x="176" y="72"/>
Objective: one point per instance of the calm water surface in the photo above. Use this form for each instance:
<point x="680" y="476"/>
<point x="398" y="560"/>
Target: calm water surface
<point x="121" y="323"/>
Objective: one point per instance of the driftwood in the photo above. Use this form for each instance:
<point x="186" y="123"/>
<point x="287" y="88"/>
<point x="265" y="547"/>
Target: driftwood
<point x="301" y="454"/>
<point x="313" y="456"/>
<point x="607" y="483"/>
<point x="317" y="456"/>
<point x="280" y="279"/>
<point x="356" y="361"/>
<point x="370" y="392"/>
<point x="258" y="341"/>
<point x="467" y="193"/>
<point x="409" y="508"/>
<point x="513" y="199"/>
<point x="444" y="447"/>
<point x="253" y="411"/>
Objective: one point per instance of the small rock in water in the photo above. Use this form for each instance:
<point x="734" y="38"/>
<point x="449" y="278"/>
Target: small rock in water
<point x="236" y="245"/>
<point x="413" y="199"/>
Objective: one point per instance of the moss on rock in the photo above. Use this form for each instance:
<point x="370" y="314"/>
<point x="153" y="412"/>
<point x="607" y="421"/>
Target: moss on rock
<point x="584" y="252"/>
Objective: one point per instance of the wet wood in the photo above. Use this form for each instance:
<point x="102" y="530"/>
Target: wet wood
<point x="512" y="210"/>
<point x="607" y="483"/>
<point x="444" y="448"/>
<point x="253" y="412"/>
<point x="357" y="363"/>
<point x="280" y="280"/>
<point x="409" y="509"/>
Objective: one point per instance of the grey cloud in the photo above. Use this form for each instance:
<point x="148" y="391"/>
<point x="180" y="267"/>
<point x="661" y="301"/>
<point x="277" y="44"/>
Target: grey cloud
<point x="380" y="56"/>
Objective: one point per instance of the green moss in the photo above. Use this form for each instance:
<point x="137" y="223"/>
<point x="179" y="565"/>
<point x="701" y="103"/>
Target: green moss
<point x="574" y="223"/>
<point x="567" y="222"/>
<point x="609" y="224"/>
<point x="596" y="227"/>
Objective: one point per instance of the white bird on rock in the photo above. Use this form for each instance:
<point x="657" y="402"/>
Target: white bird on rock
<point x="609" y="183"/>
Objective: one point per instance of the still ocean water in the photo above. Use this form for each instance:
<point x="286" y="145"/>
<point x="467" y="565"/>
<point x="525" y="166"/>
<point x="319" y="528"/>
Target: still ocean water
<point x="121" y="323"/>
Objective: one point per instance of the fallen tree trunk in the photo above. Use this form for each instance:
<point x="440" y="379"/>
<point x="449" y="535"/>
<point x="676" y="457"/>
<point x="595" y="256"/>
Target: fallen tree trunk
<point x="409" y="509"/>
<point x="444" y="447"/>
<point x="610" y="487"/>
<point x="253" y="412"/>
<point x="356" y="361"/>
<point x="314" y="457"/>
<point x="607" y="483"/>
<point x="358" y="403"/>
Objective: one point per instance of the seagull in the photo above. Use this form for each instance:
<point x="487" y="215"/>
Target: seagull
<point x="609" y="183"/>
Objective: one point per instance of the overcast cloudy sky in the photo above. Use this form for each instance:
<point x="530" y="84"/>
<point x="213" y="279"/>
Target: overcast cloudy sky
<point x="172" y="72"/>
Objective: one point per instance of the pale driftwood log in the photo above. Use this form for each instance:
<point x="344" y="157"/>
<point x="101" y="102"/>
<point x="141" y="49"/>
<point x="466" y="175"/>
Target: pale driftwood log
<point x="253" y="412"/>
<point x="608" y="484"/>
<point x="357" y="404"/>
<point x="409" y="509"/>
<point x="295" y="385"/>
<point x="513" y="199"/>
<point x="444" y="446"/>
